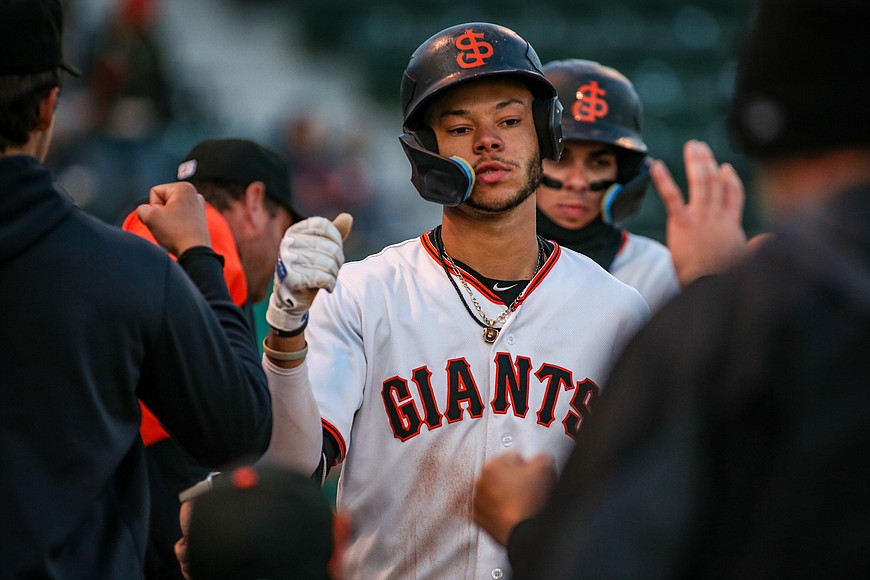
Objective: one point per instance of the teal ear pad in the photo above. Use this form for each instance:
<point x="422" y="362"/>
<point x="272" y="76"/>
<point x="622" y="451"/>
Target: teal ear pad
<point x="622" y="201"/>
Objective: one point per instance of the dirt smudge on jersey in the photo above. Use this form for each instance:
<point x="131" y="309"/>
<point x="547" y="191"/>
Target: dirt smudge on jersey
<point x="445" y="477"/>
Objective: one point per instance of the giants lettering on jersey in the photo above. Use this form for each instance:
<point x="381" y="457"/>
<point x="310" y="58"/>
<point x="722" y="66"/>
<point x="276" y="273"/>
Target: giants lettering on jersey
<point x="513" y="378"/>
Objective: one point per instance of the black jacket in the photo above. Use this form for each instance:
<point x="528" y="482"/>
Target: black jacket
<point x="733" y="437"/>
<point x="93" y="320"/>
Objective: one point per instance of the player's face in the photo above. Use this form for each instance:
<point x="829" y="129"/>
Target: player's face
<point x="575" y="205"/>
<point x="489" y="124"/>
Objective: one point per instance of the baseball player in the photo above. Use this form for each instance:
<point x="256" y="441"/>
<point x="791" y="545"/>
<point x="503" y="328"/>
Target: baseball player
<point x="439" y="352"/>
<point x="601" y="178"/>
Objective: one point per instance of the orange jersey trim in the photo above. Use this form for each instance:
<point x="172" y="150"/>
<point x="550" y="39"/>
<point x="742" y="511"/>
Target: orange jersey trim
<point x="483" y="289"/>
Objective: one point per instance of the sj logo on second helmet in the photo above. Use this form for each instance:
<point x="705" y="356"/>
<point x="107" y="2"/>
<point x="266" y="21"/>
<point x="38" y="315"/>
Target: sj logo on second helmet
<point x="590" y="106"/>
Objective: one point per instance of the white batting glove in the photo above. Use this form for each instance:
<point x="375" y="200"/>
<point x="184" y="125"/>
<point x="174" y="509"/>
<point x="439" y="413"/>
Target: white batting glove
<point x="309" y="258"/>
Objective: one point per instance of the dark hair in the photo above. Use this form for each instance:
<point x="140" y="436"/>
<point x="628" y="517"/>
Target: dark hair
<point x="20" y="96"/>
<point x="221" y="193"/>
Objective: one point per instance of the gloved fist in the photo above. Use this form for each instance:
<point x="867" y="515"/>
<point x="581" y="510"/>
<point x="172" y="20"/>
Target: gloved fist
<point x="308" y="260"/>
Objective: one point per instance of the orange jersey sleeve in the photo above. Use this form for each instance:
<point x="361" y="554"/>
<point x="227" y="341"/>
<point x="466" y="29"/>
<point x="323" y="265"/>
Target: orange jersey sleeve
<point x="223" y="243"/>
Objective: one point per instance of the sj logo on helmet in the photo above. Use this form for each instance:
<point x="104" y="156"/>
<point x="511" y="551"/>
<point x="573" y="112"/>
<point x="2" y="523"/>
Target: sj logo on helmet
<point x="589" y="106"/>
<point x="473" y="51"/>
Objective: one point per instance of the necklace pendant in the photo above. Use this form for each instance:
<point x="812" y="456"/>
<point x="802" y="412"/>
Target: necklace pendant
<point x="490" y="334"/>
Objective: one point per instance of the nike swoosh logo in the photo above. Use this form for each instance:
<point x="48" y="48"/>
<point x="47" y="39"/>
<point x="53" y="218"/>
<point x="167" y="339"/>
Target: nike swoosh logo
<point x="498" y="288"/>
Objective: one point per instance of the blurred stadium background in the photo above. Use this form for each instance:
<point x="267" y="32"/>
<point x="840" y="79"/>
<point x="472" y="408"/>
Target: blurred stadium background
<point x="319" y="82"/>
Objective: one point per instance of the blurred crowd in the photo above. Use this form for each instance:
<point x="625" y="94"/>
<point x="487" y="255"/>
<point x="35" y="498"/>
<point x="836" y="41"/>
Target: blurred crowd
<point x="130" y="117"/>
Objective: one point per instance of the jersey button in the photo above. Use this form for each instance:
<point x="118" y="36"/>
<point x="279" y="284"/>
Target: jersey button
<point x="497" y="573"/>
<point x="511" y="339"/>
<point x="507" y="440"/>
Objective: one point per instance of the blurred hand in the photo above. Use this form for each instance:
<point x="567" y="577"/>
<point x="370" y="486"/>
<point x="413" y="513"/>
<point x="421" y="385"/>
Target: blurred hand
<point x="181" y="545"/>
<point x="175" y="214"/>
<point x="511" y="489"/>
<point x="705" y="235"/>
<point x="341" y="536"/>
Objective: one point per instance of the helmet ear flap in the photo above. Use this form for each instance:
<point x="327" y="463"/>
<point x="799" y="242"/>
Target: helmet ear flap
<point x="547" y="114"/>
<point x="622" y="201"/>
<point x="443" y="180"/>
<point x="425" y="137"/>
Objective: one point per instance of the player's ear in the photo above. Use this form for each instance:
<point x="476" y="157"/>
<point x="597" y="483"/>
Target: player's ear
<point x="46" y="109"/>
<point x="254" y="201"/>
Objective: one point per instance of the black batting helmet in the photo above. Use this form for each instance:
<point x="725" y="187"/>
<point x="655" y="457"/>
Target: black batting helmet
<point x="459" y="54"/>
<point x="601" y="105"/>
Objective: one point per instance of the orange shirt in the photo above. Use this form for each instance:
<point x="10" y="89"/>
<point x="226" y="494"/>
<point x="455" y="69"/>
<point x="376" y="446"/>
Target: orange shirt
<point x="223" y="243"/>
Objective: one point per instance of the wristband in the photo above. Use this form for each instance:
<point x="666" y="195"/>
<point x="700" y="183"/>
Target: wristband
<point x="281" y="355"/>
<point x="294" y="332"/>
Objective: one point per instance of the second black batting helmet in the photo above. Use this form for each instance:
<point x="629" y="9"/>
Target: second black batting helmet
<point x="455" y="55"/>
<point x="601" y="105"/>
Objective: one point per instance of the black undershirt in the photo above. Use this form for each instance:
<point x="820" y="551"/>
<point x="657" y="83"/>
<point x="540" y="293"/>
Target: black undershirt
<point x="597" y="240"/>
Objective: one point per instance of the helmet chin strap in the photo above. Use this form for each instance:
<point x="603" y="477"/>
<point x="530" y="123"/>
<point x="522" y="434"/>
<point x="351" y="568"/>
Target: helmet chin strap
<point x="444" y="180"/>
<point x="620" y="202"/>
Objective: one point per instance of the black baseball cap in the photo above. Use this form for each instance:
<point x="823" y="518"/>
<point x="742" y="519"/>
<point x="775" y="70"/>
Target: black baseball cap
<point x="31" y="37"/>
<point x="802" y="82"/>
<point x="240" y="161"/>
<point x="261" y="521"/>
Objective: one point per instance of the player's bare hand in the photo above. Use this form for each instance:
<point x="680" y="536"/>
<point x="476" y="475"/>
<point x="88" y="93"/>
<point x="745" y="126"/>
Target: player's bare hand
<point x="511" y="489"/>
<point x="705" y="235"/>
<point x="175" y="214"/>
<point x="181" y="545"/>
<point x="310" y="256"/>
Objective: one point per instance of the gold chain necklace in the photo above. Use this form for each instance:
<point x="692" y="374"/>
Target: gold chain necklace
<point x="490" y="332"/>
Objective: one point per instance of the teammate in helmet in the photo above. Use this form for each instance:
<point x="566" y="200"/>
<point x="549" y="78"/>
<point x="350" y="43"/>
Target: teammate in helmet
<point x="599" y="182"/>
<point x="450" y="348"/>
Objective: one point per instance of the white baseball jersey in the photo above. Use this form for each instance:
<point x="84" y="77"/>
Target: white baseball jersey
<point x="646" y="265"/>
<point x="419" y="401"/>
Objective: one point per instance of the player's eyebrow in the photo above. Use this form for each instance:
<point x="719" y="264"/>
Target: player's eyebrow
<point x="466" y="112"/>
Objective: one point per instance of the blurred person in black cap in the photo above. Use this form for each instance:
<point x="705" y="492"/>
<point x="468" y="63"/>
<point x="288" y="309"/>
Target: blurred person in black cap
<point x="249" y="186"/>
<point x="261" y="522"/>
<point x="734" y="440"/>
<point x="96" y="320"/>
<point x="249" y="206"/>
